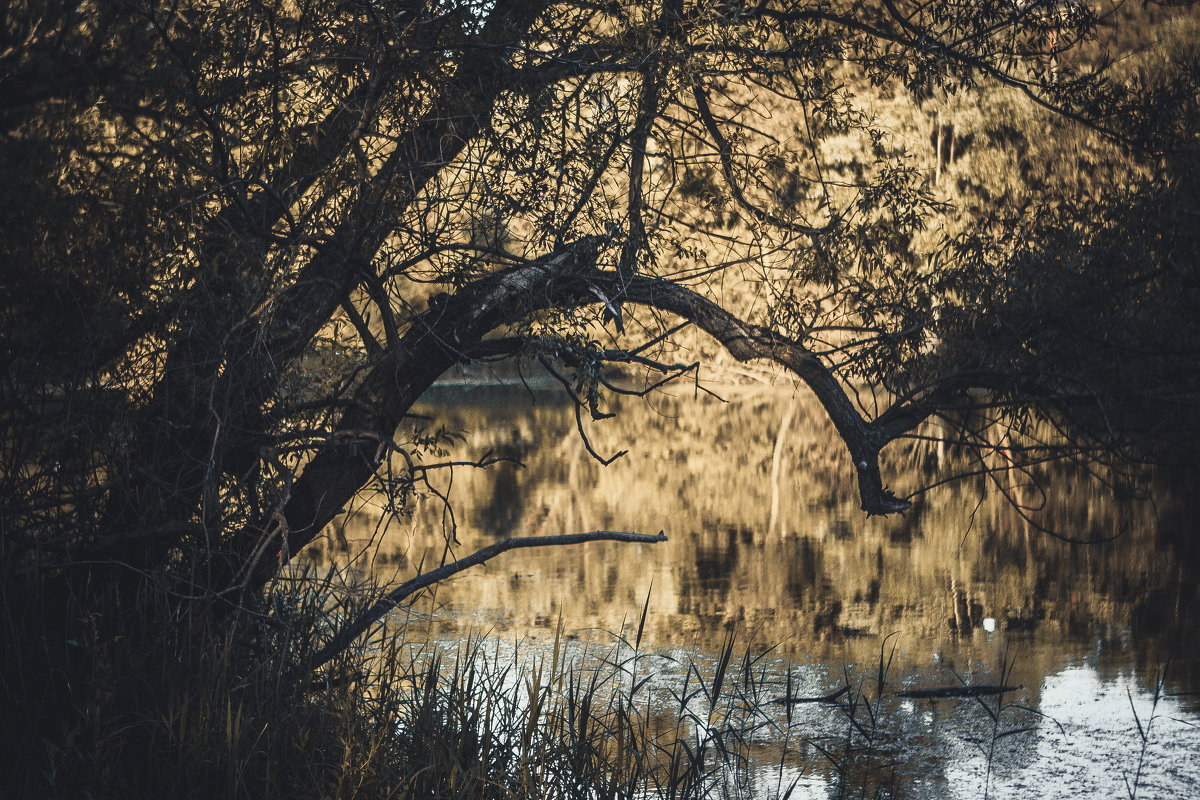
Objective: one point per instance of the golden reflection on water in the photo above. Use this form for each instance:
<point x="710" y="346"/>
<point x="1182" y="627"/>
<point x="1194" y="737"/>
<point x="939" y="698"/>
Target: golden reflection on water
<point x="758" y="500"/>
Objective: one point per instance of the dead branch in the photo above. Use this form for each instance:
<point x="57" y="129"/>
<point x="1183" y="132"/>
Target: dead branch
<point x="392" y="599"/>
<point x="978" y="690"/>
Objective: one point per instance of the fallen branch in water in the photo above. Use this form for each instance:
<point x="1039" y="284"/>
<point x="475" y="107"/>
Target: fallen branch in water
<point x="825" y="698"/>
<point x="978" y="690"/>
<point x="393" y="598"/>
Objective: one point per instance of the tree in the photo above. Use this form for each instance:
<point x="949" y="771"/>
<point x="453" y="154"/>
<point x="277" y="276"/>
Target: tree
<point x="244" y="237"/>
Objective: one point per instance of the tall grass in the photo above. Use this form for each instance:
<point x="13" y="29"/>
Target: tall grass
<point x="156" y="704"/>
<point x="159" y="704"/>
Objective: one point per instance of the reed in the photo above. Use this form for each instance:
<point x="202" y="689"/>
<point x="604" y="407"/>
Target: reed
<point x="152" y="704"/>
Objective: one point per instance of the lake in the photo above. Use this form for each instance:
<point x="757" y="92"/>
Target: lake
<point x="767" y="543"/>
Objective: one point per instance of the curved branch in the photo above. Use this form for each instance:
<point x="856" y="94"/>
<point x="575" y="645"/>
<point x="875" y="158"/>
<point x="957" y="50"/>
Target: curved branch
<point x="747" y="342"/>
<point x="725" y="150"/>
<point x="392" y="599"/>
<point x="446" y="334"/>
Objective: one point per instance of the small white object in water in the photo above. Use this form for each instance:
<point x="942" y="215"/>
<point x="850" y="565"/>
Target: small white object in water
<point x="989" y="624"/>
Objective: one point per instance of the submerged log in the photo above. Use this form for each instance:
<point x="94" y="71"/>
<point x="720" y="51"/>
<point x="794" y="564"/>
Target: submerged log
<point x="825" y="698"/>
<point x="978" y="690"/>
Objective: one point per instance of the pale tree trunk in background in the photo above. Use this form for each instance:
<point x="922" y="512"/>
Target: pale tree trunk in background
<point x="777" y="469"/>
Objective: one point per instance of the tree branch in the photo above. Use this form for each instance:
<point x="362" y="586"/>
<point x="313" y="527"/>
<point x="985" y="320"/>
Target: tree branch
<point x="440" y="338"/>
<point x="240" y="360"/>
<point x="392" y="599"/>
<point x="725" y="151"/>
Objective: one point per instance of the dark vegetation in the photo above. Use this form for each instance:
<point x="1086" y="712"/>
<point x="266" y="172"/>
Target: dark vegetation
<point x="242" y="238"/>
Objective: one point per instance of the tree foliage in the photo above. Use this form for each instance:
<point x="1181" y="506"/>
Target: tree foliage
<point x="243" y="237"/>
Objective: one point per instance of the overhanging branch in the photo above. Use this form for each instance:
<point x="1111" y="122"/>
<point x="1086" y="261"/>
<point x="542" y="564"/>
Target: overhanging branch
<point x="441" y="338"/>
<point x="394" y="598"/>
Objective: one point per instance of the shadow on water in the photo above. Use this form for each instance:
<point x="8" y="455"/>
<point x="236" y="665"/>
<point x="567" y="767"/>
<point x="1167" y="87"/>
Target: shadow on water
<point x="766" y="539"/>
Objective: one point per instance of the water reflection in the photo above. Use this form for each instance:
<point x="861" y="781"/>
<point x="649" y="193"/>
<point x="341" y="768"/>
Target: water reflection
<point x="766" y="538"/>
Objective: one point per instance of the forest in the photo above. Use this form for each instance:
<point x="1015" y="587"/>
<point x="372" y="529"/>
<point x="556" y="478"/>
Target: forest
<point x="244" y="238"/>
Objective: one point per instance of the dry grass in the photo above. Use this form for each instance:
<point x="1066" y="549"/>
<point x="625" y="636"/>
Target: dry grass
<point x="160" y="706"/>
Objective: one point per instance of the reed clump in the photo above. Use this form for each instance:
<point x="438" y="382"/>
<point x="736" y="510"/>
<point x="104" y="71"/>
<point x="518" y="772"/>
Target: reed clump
<point x="155" y="703"/>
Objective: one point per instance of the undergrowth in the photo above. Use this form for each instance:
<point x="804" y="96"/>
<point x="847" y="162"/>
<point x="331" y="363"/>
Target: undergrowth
<point x="157" y="703"/>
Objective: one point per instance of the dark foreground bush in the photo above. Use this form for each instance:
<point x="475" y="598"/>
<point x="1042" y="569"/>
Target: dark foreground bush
<point x="154" y="703"/>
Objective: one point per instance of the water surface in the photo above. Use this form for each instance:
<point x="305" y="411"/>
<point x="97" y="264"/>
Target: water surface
<point x="766" y="540"/>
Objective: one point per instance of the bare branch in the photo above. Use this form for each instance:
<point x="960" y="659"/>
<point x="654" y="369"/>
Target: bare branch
<point x="440" y="338"/>
<point x="394" y="598"/>
<point x="725" y="150"/>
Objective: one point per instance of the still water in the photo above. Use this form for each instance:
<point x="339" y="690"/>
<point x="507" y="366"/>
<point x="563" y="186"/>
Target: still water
<point x="766" y="541"/>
